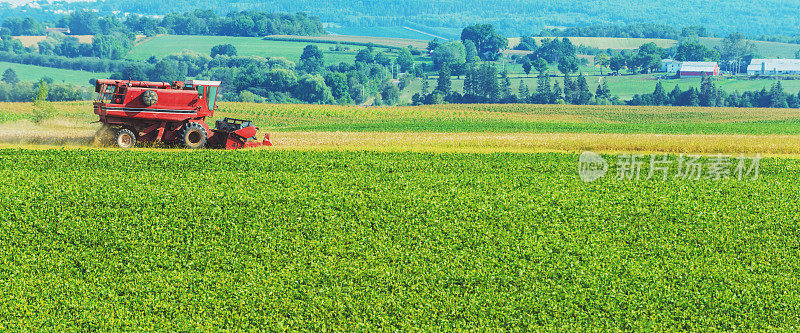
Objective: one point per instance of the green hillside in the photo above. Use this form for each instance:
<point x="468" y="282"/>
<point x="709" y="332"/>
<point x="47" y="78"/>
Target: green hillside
<point x="34" y="73"/>
<point x="608" y="42"/>
<point x="511" y="17"/>
<point x="765" y="49"/>
<point x="246" y="46"/>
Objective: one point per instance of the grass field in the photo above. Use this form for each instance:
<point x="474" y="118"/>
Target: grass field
<point x="34" y="73"/>
<point x="416" y="32"/>
<point x="607" y="42"/>
<point x="380" y="41"/>
<point x="764" y="49"/>
<point x="246" y="46"/>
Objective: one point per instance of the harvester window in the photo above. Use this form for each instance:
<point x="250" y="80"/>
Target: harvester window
<point x="212" y="97"/>
<point x="107" y="93"/>
<point x="201" y="91"/>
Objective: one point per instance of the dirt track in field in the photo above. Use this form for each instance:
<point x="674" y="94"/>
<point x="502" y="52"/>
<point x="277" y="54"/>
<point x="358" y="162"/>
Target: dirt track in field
<point x="52" y="132"/>
<point x="529" y="142"/>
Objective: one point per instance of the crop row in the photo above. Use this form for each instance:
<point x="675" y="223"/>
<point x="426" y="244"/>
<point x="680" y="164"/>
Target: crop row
<point x="479" y="118"/>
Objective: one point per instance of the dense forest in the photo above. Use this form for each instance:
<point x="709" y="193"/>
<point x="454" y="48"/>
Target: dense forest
<point x="510" y="17"/>
<point x="197" y="22"/>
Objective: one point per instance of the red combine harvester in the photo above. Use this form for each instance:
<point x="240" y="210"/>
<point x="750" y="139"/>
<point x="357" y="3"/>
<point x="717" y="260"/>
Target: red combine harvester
<point x="138" y="111"/>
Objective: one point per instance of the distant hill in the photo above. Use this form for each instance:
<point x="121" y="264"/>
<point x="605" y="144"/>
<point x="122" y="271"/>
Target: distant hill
<point x="513" y="17"/>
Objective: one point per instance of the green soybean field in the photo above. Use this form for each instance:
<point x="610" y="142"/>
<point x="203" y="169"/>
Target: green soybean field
<point x="382" y="241"/>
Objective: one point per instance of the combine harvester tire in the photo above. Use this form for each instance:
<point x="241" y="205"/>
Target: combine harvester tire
<point x="125" y="139"/>
<point x="193" y="136"/>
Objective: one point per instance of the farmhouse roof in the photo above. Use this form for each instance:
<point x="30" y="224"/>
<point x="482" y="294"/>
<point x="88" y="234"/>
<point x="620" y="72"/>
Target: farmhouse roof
<point x="698" y="66"/>
<point x="785" y="65"/>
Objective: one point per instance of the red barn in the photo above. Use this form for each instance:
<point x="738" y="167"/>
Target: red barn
<point x="697" y="68"/>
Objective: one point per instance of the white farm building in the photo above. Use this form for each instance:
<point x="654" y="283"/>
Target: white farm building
<point x="670" y="66"/>
<point x="689" y="68"/>
<point x="774" y="67"/>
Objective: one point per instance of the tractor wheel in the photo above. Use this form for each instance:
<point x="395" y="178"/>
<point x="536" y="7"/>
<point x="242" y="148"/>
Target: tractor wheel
<point x="193" y="136"/>
<point x="104" y="136"/>
<point x="150" y="98"/>
<point x="126" y="139"/>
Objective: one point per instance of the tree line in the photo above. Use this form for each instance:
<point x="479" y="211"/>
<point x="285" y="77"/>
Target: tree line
<point x="14" y="90"/>
<point x="439" y="16"/>
<point x="256" y="79"/>
<point x="711" y="96"/>
<point x="197" y="22"/>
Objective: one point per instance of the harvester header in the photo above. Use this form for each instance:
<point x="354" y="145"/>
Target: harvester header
<point x="141" y="111"/>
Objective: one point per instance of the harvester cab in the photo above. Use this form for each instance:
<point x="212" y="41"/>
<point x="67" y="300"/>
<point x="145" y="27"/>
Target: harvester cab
<point x="206" y="90"/>
<point x="138" y="111"/>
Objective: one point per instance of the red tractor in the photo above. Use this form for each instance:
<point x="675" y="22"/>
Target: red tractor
<point x="138" y="111"/>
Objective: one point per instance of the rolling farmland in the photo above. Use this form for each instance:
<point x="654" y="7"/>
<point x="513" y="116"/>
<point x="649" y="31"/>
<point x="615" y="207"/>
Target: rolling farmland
<point x="162" y="46"/>
<point x="369" y="240"/>
<point x="35" y="73"/>
<point x="607" y="42"/>
<point x="468" y="128"/>
<point x="345" y="40"/>
<point x="456" y="217"/>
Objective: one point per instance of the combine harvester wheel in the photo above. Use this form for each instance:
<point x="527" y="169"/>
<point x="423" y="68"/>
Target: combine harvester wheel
<point x="126" y="139"/>
<point x="193" y="136"/>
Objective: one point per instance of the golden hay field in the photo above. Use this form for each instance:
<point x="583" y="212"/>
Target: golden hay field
<point x="446" y="128"/>
<point x="33" y="40"/>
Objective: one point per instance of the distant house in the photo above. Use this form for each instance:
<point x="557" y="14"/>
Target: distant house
<point x="774" y="67"/>
<point x="61" y="30"/>
<point x="670" y="66"/>
<point x="699" y="68"/>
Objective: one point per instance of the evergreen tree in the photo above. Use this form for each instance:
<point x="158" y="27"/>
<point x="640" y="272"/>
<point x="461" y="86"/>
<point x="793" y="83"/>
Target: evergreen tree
<point x="659" y="95"/>
<point x="792" y="101"/>
<point x="557" y="97"/>
<point x="524" y="92"/>
<point x="733" y="99"/>
<point x="603" y="91"/>
<point x="693" y="97"/>
<point x="543" y="90"/>
<point x="708" y="92"/>
<point x="675" y="96"/>
<point x="416" y="99"/>
<point x="763" y="98"/>
<point x="505" y="86"/>
<point x="426" y="87"/>
<point x="444" y="83"/>
<point x="469" y="82"/>
<point x="777" y="97"/>
<point x="569" y="90"/>
<point x="583" y="95"/>
<point x="488" y="82"/>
